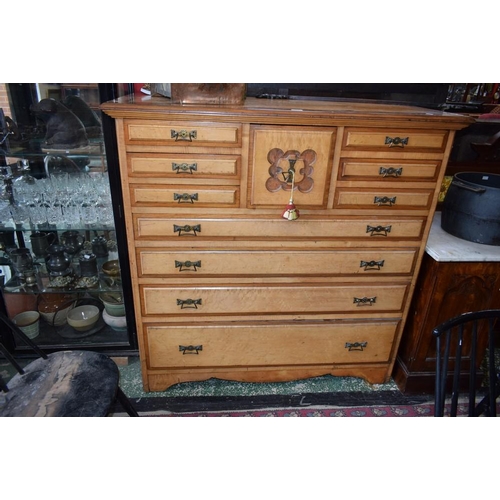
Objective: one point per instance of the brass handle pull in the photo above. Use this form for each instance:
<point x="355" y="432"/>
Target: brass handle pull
<point x="183" y="135"/>
<point x="185" y="197"/>
<point x="187" y="230"/>
<point x="189" y="303"/>
<point x="355" y="346"/>
<point x="372" y="265"/>
<point x="188" y="265"/>
<point x="365" y="301"/>
<point x="390" y="171"/>
<point x="378" y="230"/>
<point x="396" y="142"/>
<point x="190" y="349"/>
<point x="185" y="168"/>
<point x="384" y="201"/>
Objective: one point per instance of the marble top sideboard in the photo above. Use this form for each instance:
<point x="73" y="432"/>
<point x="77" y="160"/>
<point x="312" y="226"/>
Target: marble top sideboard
<point x="444" y="247"/>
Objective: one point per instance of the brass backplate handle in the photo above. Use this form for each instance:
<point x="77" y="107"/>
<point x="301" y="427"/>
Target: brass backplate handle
<point x="190" y="349"/>
<point x="378" y="230"/>
<point x="185" y="168"/>
<point x="355" y="346"/>
<point x="189" y="303"/>
<point x="399" y="142"/>
<point x="185" y="197"/>
<point x="372" y="265"/>
<point x="384" y="201"/>
<point x="183" y="135"/>
<point x="364" y="301"/>
<point x="391" y="171"/>
<point x="188" y="265"/>
<point x="187" y="230"/>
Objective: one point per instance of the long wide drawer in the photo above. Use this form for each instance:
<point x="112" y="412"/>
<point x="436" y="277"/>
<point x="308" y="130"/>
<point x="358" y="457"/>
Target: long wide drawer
<point x="366" y="262"/>
<point x="149" y="227"/>
<point x="271" y="299"/>
<point x="342" y="342"/>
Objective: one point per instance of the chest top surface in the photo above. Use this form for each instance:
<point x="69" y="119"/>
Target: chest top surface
<point x="288" y="111"/>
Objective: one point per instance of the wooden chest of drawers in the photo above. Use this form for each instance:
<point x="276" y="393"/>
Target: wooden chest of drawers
<point x="225" y="287"/>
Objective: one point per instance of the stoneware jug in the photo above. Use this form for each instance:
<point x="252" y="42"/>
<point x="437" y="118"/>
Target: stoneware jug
<point x="58" y="261"/>
<point x="73" y="241"/>
<point x="22" y="260"/>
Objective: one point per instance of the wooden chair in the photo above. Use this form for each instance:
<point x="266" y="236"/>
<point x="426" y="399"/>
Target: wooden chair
<point x="61" y="384"/>
<point x="460" y="371"/>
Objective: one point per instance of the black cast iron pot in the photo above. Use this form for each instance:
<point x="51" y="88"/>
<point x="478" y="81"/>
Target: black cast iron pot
<point x="471" y="208"/>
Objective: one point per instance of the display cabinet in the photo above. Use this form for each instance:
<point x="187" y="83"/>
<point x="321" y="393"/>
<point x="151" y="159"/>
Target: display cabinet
<point x="61" y="236"/>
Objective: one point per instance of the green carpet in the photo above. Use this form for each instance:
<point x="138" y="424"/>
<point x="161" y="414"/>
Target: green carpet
<point x="131" y="384"/>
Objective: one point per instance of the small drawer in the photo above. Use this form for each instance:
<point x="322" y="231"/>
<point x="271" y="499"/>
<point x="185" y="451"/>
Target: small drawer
<point x="159" y="132"/>
<point x="143" y="195"/>
<point x="388" y="170"/>
<point x="394" y="140"/>
<point x="271" y="299"/>
<point x="341" y="342"/>
<point x="383" y="199"/>
<point x="194" y="264"/>
<point x="184" y="166"/>
<point x="147" y="227"/>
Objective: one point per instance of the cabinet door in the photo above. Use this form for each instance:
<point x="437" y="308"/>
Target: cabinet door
<point x="276" y="151"/>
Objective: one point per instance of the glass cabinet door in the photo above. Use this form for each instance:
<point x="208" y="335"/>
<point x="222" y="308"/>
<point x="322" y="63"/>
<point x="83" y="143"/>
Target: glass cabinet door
<point x="61" y="244"/>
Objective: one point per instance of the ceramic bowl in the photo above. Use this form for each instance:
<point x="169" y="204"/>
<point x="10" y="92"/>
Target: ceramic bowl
<point x="83" y="318"/>
<point x="117" y="323"/>
<point x="113" y="303"/>
<point x="58" y="317"/>
<point x="111" y="268"/>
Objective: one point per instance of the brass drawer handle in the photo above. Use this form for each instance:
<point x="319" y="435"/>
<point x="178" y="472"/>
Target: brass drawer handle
<point x="188" y="265"/>
<point x="384" y="201"/>
<point x="365" y="301"/>
<point x="190" y="349"/>
<point x="355" y="346"/>
<point x="397" y="141"/>
<point x="378" y="230"/>
<point x="189" y="303"/>
<point x="185" y="168"/>
<point x="183" y="135"/>
<point x="391" y="171"/>
<point x="372" y="265"/>
<point x="185" y="197"/>
<point x="187" y="230"/>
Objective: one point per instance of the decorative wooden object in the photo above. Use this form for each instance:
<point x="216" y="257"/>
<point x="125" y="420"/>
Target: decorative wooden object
<point x="224" y="286"/>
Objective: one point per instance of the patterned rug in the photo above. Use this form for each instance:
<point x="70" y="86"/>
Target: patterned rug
<point x="424" y="410"/>
<point x="415" y="410"/>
